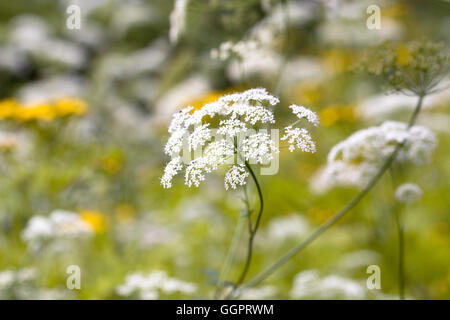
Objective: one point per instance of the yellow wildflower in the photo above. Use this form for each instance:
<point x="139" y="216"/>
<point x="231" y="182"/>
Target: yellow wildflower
<point x="337" y="113"/>
<point x="95" y="219"/>
<point x="12" y="110"/>
<point x="306" y="92"/>
<point x="337" y="61"/>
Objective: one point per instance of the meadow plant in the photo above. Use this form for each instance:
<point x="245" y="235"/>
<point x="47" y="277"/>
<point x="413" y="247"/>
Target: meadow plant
<point x="237" y="145"/>
<point x="415" y="68"/>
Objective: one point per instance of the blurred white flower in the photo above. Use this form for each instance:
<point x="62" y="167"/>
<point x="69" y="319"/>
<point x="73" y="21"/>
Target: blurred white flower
<point x="59" y="224"/>
<point x="380" y="106"/>
<point x="51" y="88"/>
<point x="149" y="286"/>
<point x="32" y="35"/>
<point x="308" y="284"/>
<point x="359" y="259"/>
<point x="12" y="59"/>
<point x="127" y="15"/>
<point x="178" y="20"/>
<point x="408" y="193"/>
<point x="293" y="226"/>
<point x="359" y="157"/>
<point x="22" y="284"/>
<point x="259" y="293"/>
<point x="237" y="50"/>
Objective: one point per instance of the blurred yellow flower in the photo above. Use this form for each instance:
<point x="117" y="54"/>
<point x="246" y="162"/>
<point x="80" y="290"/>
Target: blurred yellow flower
<point x="11" y="109"/>
<point x="95" y="219"/>
<point x="306" y="92"/>
<point x="337" y="113"/>
<point x="337" y="61"/>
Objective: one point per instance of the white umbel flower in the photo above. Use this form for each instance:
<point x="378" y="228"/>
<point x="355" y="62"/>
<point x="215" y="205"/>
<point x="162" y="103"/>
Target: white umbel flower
<point x="238" y="115"/>
<point x="302" y="112"/>
<point x="299" y="138"/>
<point x="231" y="127"/>
<point x="408" y="193"/>
<point x="236" y="176"/>
<point x="259" y="148"/>
<point x="199" y="137"/>
<point x="365" y="151"/>
<point x="170" y="171"/>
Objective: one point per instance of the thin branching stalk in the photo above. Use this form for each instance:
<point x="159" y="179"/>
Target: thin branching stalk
<point x="330" y="222"/>
<point x="230" y="256"/>
<point x="401" y="243"/>
<point x="252" y="230"/>
<point x="252" y="233"/>
<point x="401" y="255"/>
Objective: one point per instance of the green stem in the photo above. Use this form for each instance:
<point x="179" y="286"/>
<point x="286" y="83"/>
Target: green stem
<point x="401" y="244"/>
<point x="230" y="256"/>
<point x="330" y="222"/>
<point x="401" y="256"/>
<point x="283" y="64"/>
<point x="252" y="230"/>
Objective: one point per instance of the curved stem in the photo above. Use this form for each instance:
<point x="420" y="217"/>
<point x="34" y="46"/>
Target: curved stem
<point x="252" y="230"/>
<point x="330" y="222"/>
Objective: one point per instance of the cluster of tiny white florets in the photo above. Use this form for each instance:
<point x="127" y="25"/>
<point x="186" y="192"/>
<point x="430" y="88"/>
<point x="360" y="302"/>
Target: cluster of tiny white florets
<point x="259" y="148"/>
<point x="302" y="112"/>
<point x="238" y="115"/>
<point x="236" y="176"/>
<point x="299" y="137"/>
<point x="408" y="193"/>
<point x="364" y="151"/>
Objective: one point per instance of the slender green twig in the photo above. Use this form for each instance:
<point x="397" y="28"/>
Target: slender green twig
<point x="330" y="222"/>
<point x="230" y="255"/>
<point x="401" y="244"/>
<point x="254" y="229"/>
<point x="252" y="233"/>
<point x="278" y="81"/>
<point x="401" y="255"/>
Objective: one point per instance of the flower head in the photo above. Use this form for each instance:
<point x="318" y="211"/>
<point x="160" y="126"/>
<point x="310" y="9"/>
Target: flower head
<point x="239" y="116"/>
<point x="414" y="67"/>
<point x="363" y="153"/>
